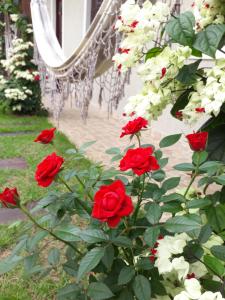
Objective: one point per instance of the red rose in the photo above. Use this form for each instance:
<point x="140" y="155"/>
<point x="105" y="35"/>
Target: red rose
<point x="46" y="136"/>
<point x="111" y="203"/>
<point x="140" y="160"/>
<point x="9" y="197"/>
<point x="134" y="126"/>
<point x="48" y="169"/>
<point x="197" y="141"/>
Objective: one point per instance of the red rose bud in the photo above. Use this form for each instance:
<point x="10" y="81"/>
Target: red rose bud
<point x="46" y="136"/>
<point x="207" y="5"/>
<point x="9" y="197"/>
<point x="190" y="276"/>
<point x="156" y="245"/>
<point x="197" y="141"/>
<point x="37" y="77"/>
<point x="152" y="258"/>
<point x="48" y="169"/>
<point x="163" y="73"/>
<point x="161" y="237"/>
<point x="200" y="109"/>
<point x="140" y="160"/>
<point x="134" y="126"/>
<point x="111" y="203"/>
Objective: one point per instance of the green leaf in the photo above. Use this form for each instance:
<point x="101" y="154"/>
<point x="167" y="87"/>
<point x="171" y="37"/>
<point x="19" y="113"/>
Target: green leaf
<point x="68" y="233"/>
<point x="54" y="256"/>
<point x="99" y="291"/>
<point x="86" y="145"/>
<point x="181" y="102"/>
<point x="69" y="292"/>
<point x="214" y="265"/>
<point x="126" y="294"/>
<point x="199" y="157"/>
<point x="216" y="217"/>
<point x="151" y="235"/>
<point x="90" y="261"/>
<point x="172" y="197"/>
<point x="122" y="241"/>
<point x="182" y="224"/>
<point x="207" y="41"/>
<point x="34" y="240"/>
<point x="219" y="252"/>
<point x="205" y="234"/>
<point x="170" y="183"/>
<point x="153" y="52"/>
<point x="198" y="203"/>
<point x="159" y="175"/>
<point x="154" y="213"/>
<point x="10" y="263"/>
<point x="181" y="28"/>
<point x="142" y="288"/>
<point x="169" y="140"/>
<point x="187" y="75"/>
<point x="144" y="263"/>
<point x="163" y="162"/>
<point x="93" y="236"/>
<point x="185" y="167"/>
<point x="108" y="257"/>
<point x="220" y="179"/>
<point x="113" y="150"/>
<point x="126" y="275"/>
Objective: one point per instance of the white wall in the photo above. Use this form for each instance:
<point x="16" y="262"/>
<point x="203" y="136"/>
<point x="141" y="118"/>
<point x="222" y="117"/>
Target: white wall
<point x="73" y="24"/>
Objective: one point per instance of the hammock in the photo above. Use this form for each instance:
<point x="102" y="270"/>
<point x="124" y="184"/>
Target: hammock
<point x="74" y="77"/>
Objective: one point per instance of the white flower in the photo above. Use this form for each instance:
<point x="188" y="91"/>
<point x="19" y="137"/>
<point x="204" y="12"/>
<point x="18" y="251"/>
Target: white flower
<point x="211" y="296"/>
<point x="181" y="267"/>
<point x="14" y="17"/>
<point x="193" y="288"/>
<point x="182" y="296"/>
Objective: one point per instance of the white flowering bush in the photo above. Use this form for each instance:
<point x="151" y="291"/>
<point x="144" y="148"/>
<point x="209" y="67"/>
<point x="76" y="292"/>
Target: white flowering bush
<point x="166" y="68"/>
<point x="19" y="89"/>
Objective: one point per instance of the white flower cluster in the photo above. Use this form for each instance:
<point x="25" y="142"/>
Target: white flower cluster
<point x="209" y="97"/>
<point x="160" y="87"/>
<point x="140" y="26"/>
<point x="167" y="247"/>
<point x="3" y="81"/>
<point x="14" y="17"/>
<point x="28" y="75"/>
<point x="172" y="266"/>
<point x="193" y="292"/>
<point x="17" y="94"/>
<point x="17" y="55"/>
<point x="209" y="12"/>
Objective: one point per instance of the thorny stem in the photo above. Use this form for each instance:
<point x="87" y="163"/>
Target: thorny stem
<point x="139" y="201"/>
<point x="26" y="212"/>
<point x="194" y="176"/>
<point x="139" y="141"/>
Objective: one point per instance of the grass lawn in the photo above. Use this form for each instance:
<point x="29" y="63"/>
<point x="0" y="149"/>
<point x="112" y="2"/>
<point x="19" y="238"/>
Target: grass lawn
<point x="15" y="285"/>
<point x="24" y="147"/>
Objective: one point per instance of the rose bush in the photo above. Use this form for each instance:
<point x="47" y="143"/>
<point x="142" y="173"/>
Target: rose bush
<point x="132" y="233"/>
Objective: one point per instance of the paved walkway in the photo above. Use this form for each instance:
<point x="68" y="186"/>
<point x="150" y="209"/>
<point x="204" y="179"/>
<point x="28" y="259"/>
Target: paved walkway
<point x="107" y="131"/>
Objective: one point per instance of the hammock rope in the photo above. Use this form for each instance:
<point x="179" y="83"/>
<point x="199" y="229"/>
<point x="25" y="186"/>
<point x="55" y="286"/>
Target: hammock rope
<point x="91" y="62"/>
